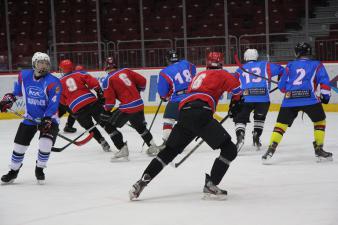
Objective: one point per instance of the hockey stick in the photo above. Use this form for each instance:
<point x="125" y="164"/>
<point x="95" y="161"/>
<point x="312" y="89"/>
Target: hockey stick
<point x="197" y="146"/>
<point x="78" y="143"/>
<point x="152" y="122"/>
<point x="239" y="64"/>
<point x="91" y="134"/>
<point x="335" y="89"/>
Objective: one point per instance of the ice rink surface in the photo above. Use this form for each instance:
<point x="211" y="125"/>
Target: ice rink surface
<point x="84" y="188"/>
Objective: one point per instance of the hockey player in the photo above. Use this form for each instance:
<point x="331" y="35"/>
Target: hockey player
<point x="256" y="95"/>
<point x="41" y="93"/>
<point x="196" y="119"/>
<point x="299" y="83"/>
<point x="172" y="86"/>
<point x="77" y="95"/>
<point x="125" y="85"/>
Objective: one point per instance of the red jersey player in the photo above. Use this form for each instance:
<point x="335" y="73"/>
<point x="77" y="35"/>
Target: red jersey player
<point x="77" y="95"/>
<point x="196" y="119"/>
<point x="125" y="85"/>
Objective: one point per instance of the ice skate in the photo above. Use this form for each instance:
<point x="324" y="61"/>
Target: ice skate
<point x="138" y="187"/>
<point x="321" y="154"/>
<point x="69" y="129"/>
<point x="122" y="155"/>
<point x="153" y="150"/>
<point x="105" y="145"/>
<point x="266" y="158"/>
<point x="211" y="191"/>
<point x="10" y="177"/>
<point x="240" y="140"/>
<point x="256" y="142"/>
<point x="40" y="175"/>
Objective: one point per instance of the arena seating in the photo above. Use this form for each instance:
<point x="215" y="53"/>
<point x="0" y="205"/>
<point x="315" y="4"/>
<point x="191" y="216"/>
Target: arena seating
<point x="76" y="22"/>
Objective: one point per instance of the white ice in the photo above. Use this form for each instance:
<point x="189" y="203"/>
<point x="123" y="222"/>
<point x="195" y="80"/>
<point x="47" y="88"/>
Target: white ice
<point x="84" y="188"/>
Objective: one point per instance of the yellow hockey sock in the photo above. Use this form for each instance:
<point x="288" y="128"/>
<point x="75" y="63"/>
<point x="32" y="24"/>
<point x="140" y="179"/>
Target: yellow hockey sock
<point x="319" y="131"/>
<point x="278" y="132"/>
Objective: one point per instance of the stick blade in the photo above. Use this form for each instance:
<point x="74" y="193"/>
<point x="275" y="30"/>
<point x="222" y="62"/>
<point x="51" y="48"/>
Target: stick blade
<point x="86" y="140"/>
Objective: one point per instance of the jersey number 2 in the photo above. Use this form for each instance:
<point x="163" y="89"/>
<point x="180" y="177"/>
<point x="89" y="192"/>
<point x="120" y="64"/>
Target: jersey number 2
<point x="301" y="74"/>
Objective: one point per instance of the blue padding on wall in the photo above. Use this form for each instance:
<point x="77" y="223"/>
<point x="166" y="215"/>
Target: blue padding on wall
<point x="152" y="88"/>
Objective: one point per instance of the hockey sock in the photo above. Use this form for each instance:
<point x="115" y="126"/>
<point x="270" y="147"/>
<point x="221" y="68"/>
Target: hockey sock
<point x="70" y="121"/>
<point x="240" y="127"/>
<point x="18" y="156"/>
<point x="278" y="132"/>
<point x="117" y="138"/>
<point x="45" y="146"/>
<point x="222" y="163"/>
<point x="168" y="125"/>
<point x="319" y="131"/>
<point x="146" y="136"/>
<point x="97" y="134"/>
<point x="218" y="170"/>
<point x="162" y="159"/>
<point x="258" y="127"/>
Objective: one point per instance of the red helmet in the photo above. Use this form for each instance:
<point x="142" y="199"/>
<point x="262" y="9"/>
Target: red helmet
<point x="110" y="64"/>
<point x="215" y="60"/>
<point x="79" y="67"/>
<point x="66" y="66"/>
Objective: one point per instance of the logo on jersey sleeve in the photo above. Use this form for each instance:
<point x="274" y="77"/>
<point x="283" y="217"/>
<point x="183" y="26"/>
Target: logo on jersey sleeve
<point x="34" y="92"/>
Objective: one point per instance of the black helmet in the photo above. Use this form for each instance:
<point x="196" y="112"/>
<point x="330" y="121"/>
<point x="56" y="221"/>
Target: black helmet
<point x="303" y="49"/>
<point x="172" y="56"/>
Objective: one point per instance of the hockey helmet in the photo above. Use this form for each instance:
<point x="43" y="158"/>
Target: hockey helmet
<point x="110" y="64"/>
<point x="79" y="67"/>
<point x="251" y="54"/>
<point x="172" y="56"/>
<point x="215" y="60"/>
<point x="66" y="66"/>
<point x="303" y="49"/>
<point x="41" y="63"/>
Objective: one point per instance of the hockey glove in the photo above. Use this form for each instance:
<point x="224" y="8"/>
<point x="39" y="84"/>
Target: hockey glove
<point x="99" y="94"/>
<point x="235" y="106"/>
<point x="164" y="99"/>
<point x="7" y="102"/>
<point x="46" y="125"/>
<point x="324" y="98"/>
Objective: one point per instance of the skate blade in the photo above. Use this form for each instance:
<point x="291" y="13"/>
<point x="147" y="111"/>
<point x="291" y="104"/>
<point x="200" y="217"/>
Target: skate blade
<point x="41" y="182"/>
<point x="239" y="146"/>
<point x="132" y="196"/>
<point x="321" y="159"/>
<point x="120" y="159"/>
<point x="7" y="183"/>
<point x="268" y="161"/>
<point x="257" y="147"/>
<point x="212" y="197"/>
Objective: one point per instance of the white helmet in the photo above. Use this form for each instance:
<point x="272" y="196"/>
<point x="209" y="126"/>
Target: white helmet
<point x="40" y="56"/>
<point x="250" y="54"/>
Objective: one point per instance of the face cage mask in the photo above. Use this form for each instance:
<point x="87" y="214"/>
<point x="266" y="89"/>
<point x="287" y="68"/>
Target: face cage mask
<point x="41" y="68"/>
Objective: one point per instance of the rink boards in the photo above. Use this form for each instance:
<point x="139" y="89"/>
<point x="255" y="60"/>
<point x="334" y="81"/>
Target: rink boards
<point x="152" y="100"/>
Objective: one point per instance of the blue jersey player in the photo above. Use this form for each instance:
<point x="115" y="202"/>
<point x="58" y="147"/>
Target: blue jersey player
<point x="41" y="93"/>
<point x="255" y="94"/>
<point x="173" y="83"/>
<point x="299" y="84"/>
